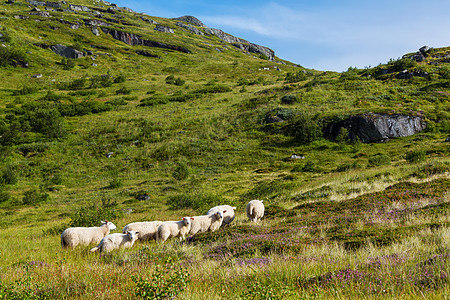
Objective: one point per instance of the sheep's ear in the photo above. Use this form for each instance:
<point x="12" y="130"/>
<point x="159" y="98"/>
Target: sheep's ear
<point x="104" y="222"/>
<point x="192" y="218"/>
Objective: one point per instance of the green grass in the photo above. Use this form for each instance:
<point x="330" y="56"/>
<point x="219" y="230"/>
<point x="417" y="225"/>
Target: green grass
<point x="350" y="220"/>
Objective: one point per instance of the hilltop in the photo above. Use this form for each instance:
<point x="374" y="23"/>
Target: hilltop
<point x="106" y="113"/>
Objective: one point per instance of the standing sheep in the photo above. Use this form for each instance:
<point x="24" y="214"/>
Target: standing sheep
<point x="255" y="210"/>
<point x="173" y="229"/>
<point x="147" y="230"/>
<point x="207" y="222"/>
<point x="228" y="216"/>
<point x="115" y="241"/>
<point x="75" y="236"/>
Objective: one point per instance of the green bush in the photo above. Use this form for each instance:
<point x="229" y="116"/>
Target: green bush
<point x="25" y="90"/>
<point x="8" y="176"/>
<point x="181" y="172"/>
<point x="305" y="129"/>
<point x="11" y="56"/>
<point x="34" y="196"/>
<point x="195" y="200"/>
<point x="297" y="77"/>
<point x="67" y="63"/>
<point x="101" y="81"/>
<point x="289" y="99"/>
<point x="415" y="156"/>
<point x="123" y="91"/>
<point x="379" y="160"/>
<point x="4" y="196"/>
<point x="120" y="79"/>
<point x="92" y="214"/>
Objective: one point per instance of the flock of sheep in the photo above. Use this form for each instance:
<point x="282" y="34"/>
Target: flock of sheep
<point x="155" y="230"/>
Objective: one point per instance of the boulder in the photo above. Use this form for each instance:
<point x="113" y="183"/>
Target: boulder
<point x="224" y="36"/>
<point x="44" y="14"/>
<point x="65" y="51"/>
<point x="79" y="8"/>
<point x="95" y="31"/>
<point x="36" y="3"/>
<point x="191" y="20"/>
<point x="162" y="28"/>
<point x="370" y="127"/>
<point x="190" y="28"/>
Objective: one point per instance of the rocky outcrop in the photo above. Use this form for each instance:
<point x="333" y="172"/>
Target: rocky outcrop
<point x="134" y="39"/>
<point x="377" y="127"/>
<point x="190" y="28"/>
<point x="191" y="20"/>
<point x="420" y="55"/>
<point x="256" y="49"/>
<point x="224" y="36"/>
<point x="65" y="51"/>
<point x="79" y="8"/>
<point x="162" y="28"/>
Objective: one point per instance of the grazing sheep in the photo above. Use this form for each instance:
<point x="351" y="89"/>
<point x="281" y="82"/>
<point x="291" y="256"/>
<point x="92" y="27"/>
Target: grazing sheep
<point x="228" y="216"/>
<point x="255" y="210"/>
<point x="147" y="230"/>
<point x="207" y="222"/>
<point x="75" y="236"/>
<point x="173" y="229"/>
<point x="115" y="241"/>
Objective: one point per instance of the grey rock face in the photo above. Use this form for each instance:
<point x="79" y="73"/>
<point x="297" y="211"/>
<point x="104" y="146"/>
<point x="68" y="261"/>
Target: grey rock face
<point x="95" y="31"/>
<point x="224" y="36"/>
<point x="65" y="51"/>
<point x="44" y="14"/>
<point x="36" y="3"/>
<point x="190" y="28"/>
<point x="79" y="8"/>
<point x="191" y="20"/>
<point x="377" y="127"/>
<point x="133" y="39"/>
<point x="162" y="28"/>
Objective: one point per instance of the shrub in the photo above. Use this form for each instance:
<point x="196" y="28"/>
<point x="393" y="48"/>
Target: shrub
<point x="120" y="79"/>
<point x="123" y="91"/>
<point x="11" y="56"/>
<point x="67" y="63"/>
<point x="4" y="196"/>
<point x="166" y="282"/>
<point x="349" y="166"/>
<point x="415" y="156"/>
<point x="92" y="214"/>
<point x="305" y="129"/>
<point x="115" y="183"/>
<point x="289" y="99"/>
<point x="8" y="176"/>
<point x="195" y="200"/>
<point x="101" y="81"/>
<point x="296" y="77"/>
<point x="181" y="172"/>
<point x="25" y="90"/>
<point x="34" y="196"/>
<point x="379" y="160"/>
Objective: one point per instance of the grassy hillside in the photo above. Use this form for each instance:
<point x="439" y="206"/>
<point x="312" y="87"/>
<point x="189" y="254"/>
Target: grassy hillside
<point x="128" y="137"/>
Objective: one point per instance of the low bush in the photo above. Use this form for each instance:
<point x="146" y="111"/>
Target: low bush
<point x="11" y="56"/>
<point x="379" y="160"/>
<point x="181" y="172"/>
<point x="91" y="215"/>
<point x="25" y="90"/>
<point x="34" y="196"/>
<point x="289" y="99"/>
<point x="415" y="156"/>
<point x="200" y="202"/>
<point x="4" y="196"/>
<point x="8" y="176"/>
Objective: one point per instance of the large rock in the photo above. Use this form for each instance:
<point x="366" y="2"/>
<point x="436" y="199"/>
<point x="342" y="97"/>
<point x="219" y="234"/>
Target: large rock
<point x="224" y="36"/>
<point x="65" y="51"/>
<point x="191" y="20"/>
<point x="190" y="28"/>
<point x="377" y="127"/>
<point x="163" y="28"/>
<point x="134" y="39"/>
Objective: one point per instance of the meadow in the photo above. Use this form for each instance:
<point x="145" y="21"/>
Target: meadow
<point x="142" y="138"/>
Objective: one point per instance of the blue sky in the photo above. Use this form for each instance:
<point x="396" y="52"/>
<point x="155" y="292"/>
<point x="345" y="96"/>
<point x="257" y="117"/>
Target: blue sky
<point x="320" y="34"/>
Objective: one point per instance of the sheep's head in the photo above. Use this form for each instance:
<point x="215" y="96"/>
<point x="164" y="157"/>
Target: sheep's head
<point x="110" y="225"/>
<point x="187" y="220"/>
<point x="219" y="214"/>
<point x="133" y="235"/>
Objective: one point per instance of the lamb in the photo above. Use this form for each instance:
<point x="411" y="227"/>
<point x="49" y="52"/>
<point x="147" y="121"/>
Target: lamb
<point x="173" y="229"/>
<point x="207" y="222"/>
<point x="228" y="216"/>
<point x="75" y="236"/>
<point x="255" y="210"/>
<point x="115" y="241"/>
<point x="147" y="230"/>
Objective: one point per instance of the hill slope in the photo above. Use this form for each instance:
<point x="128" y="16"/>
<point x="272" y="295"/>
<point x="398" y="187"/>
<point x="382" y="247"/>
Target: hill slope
<point x="147" y="125"/>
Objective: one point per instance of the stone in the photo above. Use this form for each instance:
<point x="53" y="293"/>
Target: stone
<point x="371" y="127"/>
<point x="21" y="17"/>
<point x="67" y="52"/>
<point x="95" y="31"/>
<point x="44" y="14"/>
<point x="162" y="28"/>
<point x="447" y="140"/>
<point x="53" y="4"/>
<point x="36" y="3"/>
<point x="190" y="28"/>
<point x="79" y="8"/>
<point x="36" y="76"/>
<point x="149" y="21"/>
<point x="191" y="20"/>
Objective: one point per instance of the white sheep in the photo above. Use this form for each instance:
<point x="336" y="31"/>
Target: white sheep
<point x="255" y="210"/>
<point x="173" y="229"/>
<point x="147" y="230"/>
<point x="115" y="241"/>
<point x="76" y="236"/>
<point x="204" y="223"/>
<point x="228" y="216"/>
